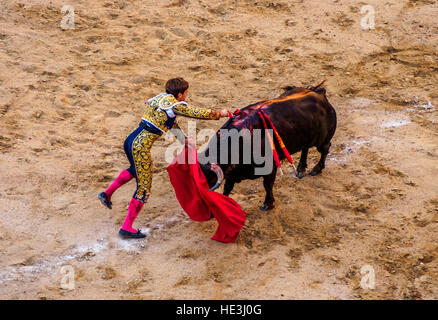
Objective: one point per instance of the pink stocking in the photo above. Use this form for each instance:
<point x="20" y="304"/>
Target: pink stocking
<point x="133" y="211"/>
<point x="123" y="178"/>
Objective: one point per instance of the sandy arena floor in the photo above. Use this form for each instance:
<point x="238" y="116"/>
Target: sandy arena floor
<point x="68" y="99"/>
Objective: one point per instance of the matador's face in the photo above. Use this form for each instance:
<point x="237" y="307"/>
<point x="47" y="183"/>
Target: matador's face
<point x="182" y="96"/>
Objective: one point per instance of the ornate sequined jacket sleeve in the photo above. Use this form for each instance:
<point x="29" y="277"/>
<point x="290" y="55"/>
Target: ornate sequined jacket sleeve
<point x="194" y="112"/>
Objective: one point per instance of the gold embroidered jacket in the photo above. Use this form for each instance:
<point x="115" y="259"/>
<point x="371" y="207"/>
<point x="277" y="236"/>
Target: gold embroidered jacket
<point x="162" y="110"/>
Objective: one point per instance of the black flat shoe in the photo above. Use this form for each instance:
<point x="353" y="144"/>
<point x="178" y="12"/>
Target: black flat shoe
<point x="104" y="199"/>
<point x="132" y="235"/>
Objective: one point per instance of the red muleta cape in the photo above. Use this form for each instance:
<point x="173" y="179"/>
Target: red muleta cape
<point x="191" y="189"/>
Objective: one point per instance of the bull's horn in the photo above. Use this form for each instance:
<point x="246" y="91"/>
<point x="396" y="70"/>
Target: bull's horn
<point x="220" y="176"/>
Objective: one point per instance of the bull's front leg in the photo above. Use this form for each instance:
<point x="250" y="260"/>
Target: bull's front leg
<point x="268" y="183"/>
<point x="301" y="170"/>
<point x="228" y="187"/>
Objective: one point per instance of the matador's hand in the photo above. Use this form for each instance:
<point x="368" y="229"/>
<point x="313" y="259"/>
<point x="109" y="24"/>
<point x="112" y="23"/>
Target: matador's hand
<point x="225" y="113"/>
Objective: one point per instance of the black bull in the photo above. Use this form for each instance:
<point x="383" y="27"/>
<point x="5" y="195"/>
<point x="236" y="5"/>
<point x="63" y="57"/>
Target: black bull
<point x="303" y="118"/>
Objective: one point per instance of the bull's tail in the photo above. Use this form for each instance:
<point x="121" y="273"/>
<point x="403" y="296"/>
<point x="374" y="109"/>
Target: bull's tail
<point x="318" y="89"/>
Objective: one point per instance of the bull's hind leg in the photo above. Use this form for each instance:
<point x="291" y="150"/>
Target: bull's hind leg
<point x="268" y="183"/>
<point x="324" y="150"/>
<point x="302" y="166"/>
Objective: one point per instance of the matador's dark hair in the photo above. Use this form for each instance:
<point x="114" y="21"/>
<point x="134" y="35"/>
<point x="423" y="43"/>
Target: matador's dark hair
<point x="176" y="85"/>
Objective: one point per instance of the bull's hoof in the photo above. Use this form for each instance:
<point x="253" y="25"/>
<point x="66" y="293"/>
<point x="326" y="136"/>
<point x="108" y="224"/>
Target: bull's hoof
<point x="315" y="172"/>
<point x="300" y="175"/>
<point x="267" y="207"/>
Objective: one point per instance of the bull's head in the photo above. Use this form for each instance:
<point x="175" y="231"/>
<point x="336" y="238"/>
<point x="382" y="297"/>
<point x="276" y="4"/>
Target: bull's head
<point x="212" y="171"/>
<point x="231" y="137"/>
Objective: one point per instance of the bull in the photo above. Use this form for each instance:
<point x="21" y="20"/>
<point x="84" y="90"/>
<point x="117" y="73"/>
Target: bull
<point x="303" y="117"/>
